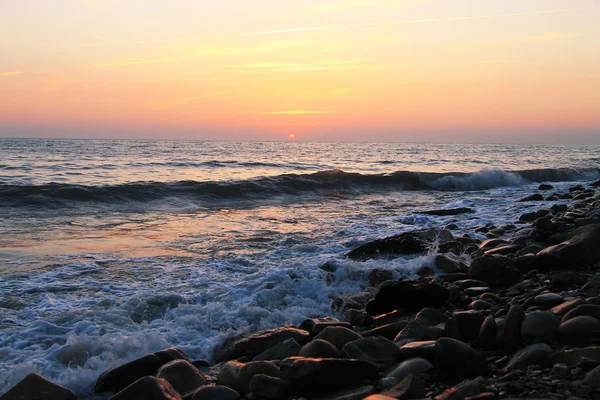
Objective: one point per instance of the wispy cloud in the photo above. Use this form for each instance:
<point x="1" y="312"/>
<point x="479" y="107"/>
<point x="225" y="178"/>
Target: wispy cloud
<point x="184" y="101"/>
<point x="405" y="22"/>
<point x="325" y="65"/>
<point x="9" y="73"/>
<point x="300" y="112"/>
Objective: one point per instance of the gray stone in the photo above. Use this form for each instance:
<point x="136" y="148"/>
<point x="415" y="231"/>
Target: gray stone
<point x="319" y="326"/>
<point x="579" y="330"/>
<point x="580" y="251"/>
<point x="461" y="391"/>
<point x="285" y="349"/>
<point x="338" y="336"/>
<point x="238" y="376"/>
<point x="464" y="325"/>
<point x="535" y="354"/>
<point x="592" y="378"/>
<point x="267" y="387"/>
<point x="148" y="388"/>
<point x="590" y="310"/>
<point x="425" y="349"/>
<point x="319" y="348"/>
<point x="450" y="264"/>
<point x="495" y="271"/>
<point x="414" y="366"/>
<point x="480" y="305"/>
<point x="388" y="331"/>
<point x="456" y="359"/>
<point x="487" y="334"/>
<point x="572" y="357"/>
<point x="561" y="309"/>
<point x="182" y="375"/>
<point x="548" y="300"/>
<point x="377" y="350"/>
<point x="509" y="336"/>
<point x="211" y="392"/>
<point x="539" y="327"/>
<point x="36" y="387"/>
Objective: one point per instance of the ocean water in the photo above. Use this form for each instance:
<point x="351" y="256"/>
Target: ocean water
<point x="110" y="249"/>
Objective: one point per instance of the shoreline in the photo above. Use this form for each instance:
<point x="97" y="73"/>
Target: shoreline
<point x="500" y="323"/>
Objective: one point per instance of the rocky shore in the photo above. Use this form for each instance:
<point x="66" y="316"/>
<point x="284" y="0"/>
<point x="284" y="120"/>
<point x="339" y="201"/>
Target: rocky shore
<point x="513" y="316"/>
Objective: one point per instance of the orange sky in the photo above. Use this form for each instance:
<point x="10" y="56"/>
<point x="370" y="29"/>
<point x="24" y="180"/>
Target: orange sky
<point x="400" y="70"/>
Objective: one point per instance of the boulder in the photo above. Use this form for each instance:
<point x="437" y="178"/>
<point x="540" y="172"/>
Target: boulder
<point x="450" y="264"/>
<point x="253" y="344"/>
<point x="319" y="349"/>
<point x="407" y="295"/>
<point x="562" y="309"/>
<point x="573" y="357"/>
<point x="509" y="335"/>
<point x="268" y="387"/>
<point x="285" y="349"/>
<point x="590" y="310"/>
<point x="377" y="276"/>
<point x="539" y="327"/>
<point x="414" y="366"/>
<point x="579" y="330"/>
<point x="36" y="387"/>
<point x="238" y="376"/>
<point x="388" y="331"/>
<point x="548" y="300"/>
<point x="545" y="186"/>
<point x="461" y="391"/>
<point x="579" y="251"/>
<point x="487" y="334"/>
<point x="424" y="349"/>
<point x="531" y="197"/>
<point x="465" y="325"/>
<point x="592" y="378"/>
<point x="319" y="326"/>
<point x="455" y="359"/>
<point x="182" y="376"/>
<point x="535" y="354"/>
<point x="413" y="242"/>
<point x="148" y="388"/>
<point x="448" y="211"/>
<point x="495" y="271"/>
<point x="377" y="350"/>
<point x="117" y="379"/>
<point x="211" y="392"/>
<point x="338" y="336"/>
<point x="408" y="388"/>
<point x="429" y="324"/>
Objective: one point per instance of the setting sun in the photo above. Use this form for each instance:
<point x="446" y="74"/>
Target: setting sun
<point x="292" y="137"/>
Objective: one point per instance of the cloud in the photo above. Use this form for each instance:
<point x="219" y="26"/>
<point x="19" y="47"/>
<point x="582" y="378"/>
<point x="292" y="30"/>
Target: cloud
<point x="300" y="112"/>
<point x="405" y="22"/>
<point x="9" y="73"/>
<point x="325" y="65"/>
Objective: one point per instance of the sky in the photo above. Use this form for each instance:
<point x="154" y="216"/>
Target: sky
<point x="355" y="70"/>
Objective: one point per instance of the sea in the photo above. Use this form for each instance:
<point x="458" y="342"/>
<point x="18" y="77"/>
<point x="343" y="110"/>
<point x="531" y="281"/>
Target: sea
<point x="111" y="249"/>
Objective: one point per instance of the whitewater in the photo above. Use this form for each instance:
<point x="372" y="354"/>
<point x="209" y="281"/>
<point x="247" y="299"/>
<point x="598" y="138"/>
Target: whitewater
<point x="111" y="249"/>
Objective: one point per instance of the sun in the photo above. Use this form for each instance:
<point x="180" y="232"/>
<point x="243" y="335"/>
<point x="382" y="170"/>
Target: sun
<point x="292" y="137"/>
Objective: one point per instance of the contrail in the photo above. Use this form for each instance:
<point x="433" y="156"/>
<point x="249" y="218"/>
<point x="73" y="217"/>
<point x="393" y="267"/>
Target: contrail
<point x="406" y="22"/>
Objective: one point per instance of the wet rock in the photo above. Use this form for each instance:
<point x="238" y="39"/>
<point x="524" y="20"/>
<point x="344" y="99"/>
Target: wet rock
<point x="487" y="334"/>
<point x="503" y="250"/>
<point x="407" y="295"/>
<point x="572" y="357"/>
<point x="424" y="349"/>
<point x="182" y="376"/>
<point x="409" y="388"/>
<point x="253" y="344"/>
<point x="465" y="325"/>
<point x="509" y="336"/>
<point x="268" y="387"/>
<point x="496" y="271"/>
<point x="580" y="251"/>
<point x="562" y="309"/>
<point x="285" y="349"/>
<point x="532" y="197"/>
<point x="238" y="375"/>
<point x="539" y="327"/>
<point x="414" y="366"/>
<point x="592" y="378"/>
<point x="579" y="330"/>
<point x="116" y="379"/>
<point x="155" y="307"/>
<point x="476" y="290"/>
<point x="535" y="354"/>
<point x="319" y="326"/>
<point x="429" y="324"/>
<point x="329" y="373"/>
<point x="461" y="391"/>
<point x="360" y="393"/>
<point x="211" y="392"/>
<point x="480" y="305"/>
<point x="545" y="186"/>
<point x="309" y="323"/>
<point x="406" y="243"/>
<point x="319" y="349"/>
<point x="589" y="310"/>
<point x="450" y="264"/>
<point x="148" y="388"/>
<point x="456" y="359"/>
<point x="388" y="331"/>
<point x="548" y="300"/>
<point x="35" y="386"/>
<point x="492" y="243"/>
<point x="448" y="211"/>
<point x="338" y="336"/>
<point x="378" y="276"/>
<point x="377" y="350"/>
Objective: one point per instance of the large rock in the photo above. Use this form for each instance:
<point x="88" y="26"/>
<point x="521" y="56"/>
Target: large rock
<point x="429" y="324"/>
<point x="238" y="376"/>
<point x="487" y="334"/>
<point x="456" y="359"/>
<point x="509" y="335"/>
<point x="285" y="349"/>
<point x="253" y="344"/>
<point x="388" y="331"/>
<point x="406" y="243"/>
<point x="377" y="350"/>
<point x="465" y="325"/>
<point x="579" y="330"/>
<point x="407" y="295"/>
<point x="148" y="388"/>
<point x="425" y="349"/>
<point x="338" y="336"/>
<point x="495" y="271"/>
<point x="539" y="327"/>
<point x="535" y="354"/>
<point x="319" y="348"/>
<point x="328" y="373"/>
<point x="182" y="375"/>
<point x="579" y="251"/>
<point x="450" y="263"/>
<point x="414" y="366"/>
<point x="592" y="378"/>
<point x="590" y="310"/>
<point x="268" y="387"/>
<point x="36" y="387"/>
<point x="573" y="357"/>
<point x="211" y="392"/>
<point x="116" y="379"/>
<point x="465" y="389"/>
<point x="448" y="211"/>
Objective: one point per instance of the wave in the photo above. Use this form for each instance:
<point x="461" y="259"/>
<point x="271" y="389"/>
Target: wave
<point x="59" y="194"/>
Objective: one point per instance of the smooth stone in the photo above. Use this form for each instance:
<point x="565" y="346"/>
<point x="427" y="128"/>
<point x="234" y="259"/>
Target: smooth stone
<point x="36" y="387"/>
<point x="458" y="360"/>
<point x="562" y="309"/>
<point x="487" y="334"/>
<point x="256" y="343"/>
<point x="503" y="250"/>
<point x="319" y="348"/>
<point x="409" y="388"/>
<point x="448" y="211"/>
<point x="238" y="376"/>
<point x="490" y="298"/>
<point x="285" y="349"/>
<point x="148" y="388"/>
<point x="476" y="290"/>
<point x="309" y="323"/>
<point x="338" y="336"/>
<point x="535" y="354"/>
<point x="464" y="325"/>
<point x="539" y="327"/>
<point x="450" y="264"/>
<point x="572" y="357"/>
<point x="548" y="300"/>
<point x="319" y="326"/>
<point x="579" y="330"/>
<point x="531" y="197"/>
<point x="580" y="251"/>
<point x="491" y="243"/>
<point x="268" y="387"/>
<point x="480" y="305"/>
<point x="589" y="310"/>
<point x="427" y="325"/>
<point x="495" y="271"/>
<point x="407" y="295"/>
<point x="182" y="375"/>
<point x="349" y="394"/>
<point x="388" y="331"/>
<point x="377" y="276"/>
<point x="509" y="335"/>
<point x="461" y="391"/>
<point x="592" y="378"/>
<point x="414" y="366"/>
<point x="425" y="349"/>
<point x="211" y="392"/>
<point x="377" y="350"/>
<point x="469" y="283"/>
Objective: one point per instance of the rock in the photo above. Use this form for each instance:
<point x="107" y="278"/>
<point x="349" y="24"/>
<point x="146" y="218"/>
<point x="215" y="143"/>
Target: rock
<point x="590" y="310"/>
<point x="409" y="388"/>
<point x="532" y="197"/>
<point x="450" y="264"/>
<point x="487" y="334"/>
<point x="148" y="388"/>
<point x="572" y="357"/>
<point x="267" y="387"/>
<point x="360" y="393"/>
<point x="155" y="307"/>
<point x="414" y="366"/>
<point x="377" y="350"/>
<point x="539" y="327"/>
<point x="561" y="369"/>
<point x="117" y="379"/>
<point x="201" y="364"/>
<point x="210" y="392"/>
<point x="535" y="354"/>
<point x="548" y="300"/>
<point x="182" y="376"/>
<point x="407" y="295"/>
<point x="592" y="378"/>
<point x="309" y="323"/>
<point x="319" y="326"/>
<point x="562" y="309"/>
<point x="428" y="325"/>
<point x="379" y="397"/>
<point x="492" y="243"/>
<point x="319" y="349"/>
<point x="578" y="252"/>
<point x="448" y="211"/>
<point x="579" y="330"/>
<point x="338" y="336"/>
<point x="503" y="250"/>
<point x="480" y="305"/>
<point x="464" y="325"/>
<point x="509" y="336"/>
<point x="36" y="387"/>
<point x="377" y="276"/>
<point x="476" y="290"/>
<point x="496" y="271"/>
<point x="255" y="343"/>
<point x="406" y="243"/>
<point x="545" y="186"/>
<point x="388" y="331"/>
<point x="238" y="376"/>
<point x="461" y="391"/>
<point x="285" y="349"/>
<point x="424" y="349"/>
<point x="456" y="359"/>
<point x="311" y="373"/>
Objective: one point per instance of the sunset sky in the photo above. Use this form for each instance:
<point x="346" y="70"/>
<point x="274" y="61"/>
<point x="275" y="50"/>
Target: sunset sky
<point x="381" y="70"/>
